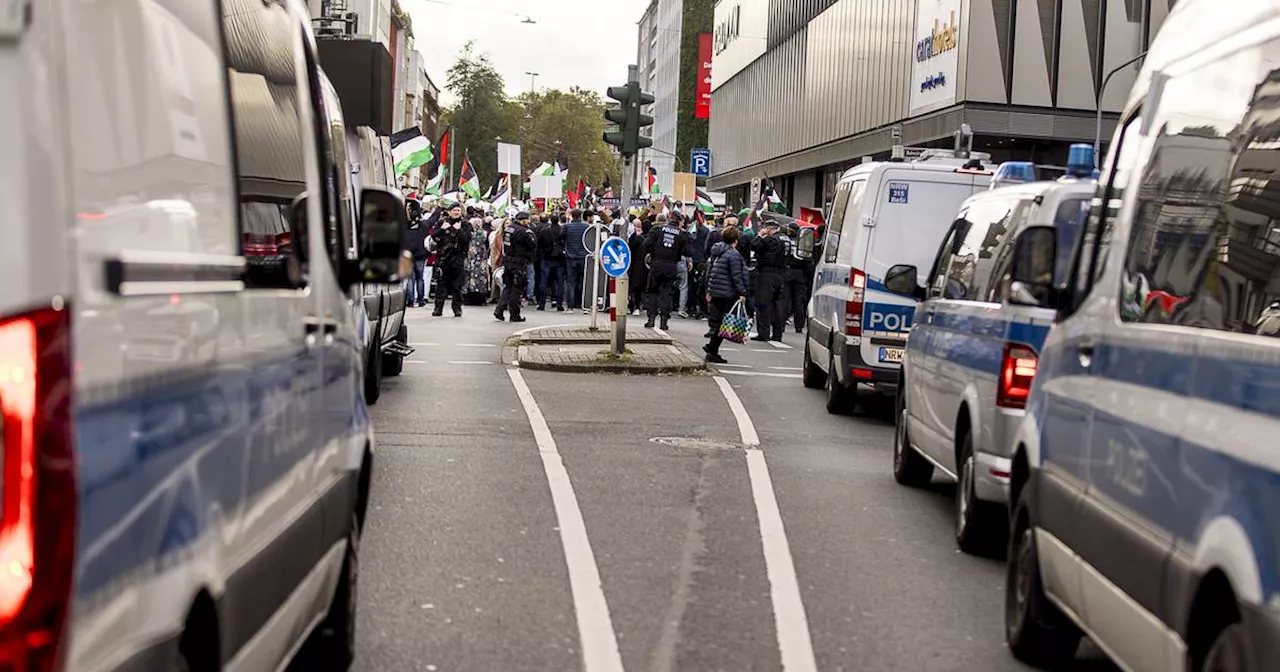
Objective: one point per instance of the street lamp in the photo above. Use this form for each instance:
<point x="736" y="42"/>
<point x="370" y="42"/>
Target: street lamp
<point x="679" y="161"/>
<point x="533" y="80"/>
<point x="1097" y="133"/>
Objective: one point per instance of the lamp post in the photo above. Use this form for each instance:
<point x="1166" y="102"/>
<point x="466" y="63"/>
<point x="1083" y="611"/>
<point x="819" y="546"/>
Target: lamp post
<point x="1097" y="133"/>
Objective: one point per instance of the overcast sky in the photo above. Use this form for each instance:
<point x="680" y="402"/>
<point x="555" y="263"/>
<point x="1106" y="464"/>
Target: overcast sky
<point x="586" y="43"/>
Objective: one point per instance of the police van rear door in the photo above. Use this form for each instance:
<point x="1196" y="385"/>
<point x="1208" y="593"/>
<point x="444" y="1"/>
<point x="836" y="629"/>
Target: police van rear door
<point x="912" y="212"/>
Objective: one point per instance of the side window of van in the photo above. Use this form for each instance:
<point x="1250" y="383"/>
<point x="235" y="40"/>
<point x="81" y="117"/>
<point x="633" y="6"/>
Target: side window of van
<point x="938" y="274"/>
<point x="836" y="223"/>
<point x="1090" y="258"/>
<point x="989" y="222"/>
<point x="852" y="223"/>
<point x="1205" y="238"/>
<point x="270" y="169"/>
<point x="997" y="289"/>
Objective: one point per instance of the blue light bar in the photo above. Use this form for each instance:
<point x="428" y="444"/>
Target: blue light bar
<point x="1080" y="160"/>
<point x="1014" y="172"/>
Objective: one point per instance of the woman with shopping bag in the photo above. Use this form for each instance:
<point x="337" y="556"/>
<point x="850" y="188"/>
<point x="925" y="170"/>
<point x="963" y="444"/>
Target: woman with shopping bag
<point x="726" y="295"/>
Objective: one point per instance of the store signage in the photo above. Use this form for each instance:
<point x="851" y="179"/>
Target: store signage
<point x="702" y="101"/>
<point x="937" y="55"/>
<point x="739" y="37"/>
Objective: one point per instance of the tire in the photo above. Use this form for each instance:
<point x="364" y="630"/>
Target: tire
<point x="978" y="523"/>
<point x="1037" y="632"/>
<point x="373" y="377"/>
<point x="332" y="646"/>
<point x="909" y="467"/>
<point x="1230" y="651"/>
<point x="814" y="378"/>
<point x="839" y="397"/>
<point x="392" y="365"/>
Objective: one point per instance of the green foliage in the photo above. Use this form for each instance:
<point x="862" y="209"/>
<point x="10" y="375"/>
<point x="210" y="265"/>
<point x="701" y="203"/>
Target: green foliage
<point x="691" y="132"/>
<point x="482" y="116"/>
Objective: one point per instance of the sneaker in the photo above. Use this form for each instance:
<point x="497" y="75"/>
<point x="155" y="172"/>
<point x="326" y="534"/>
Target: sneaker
<point x="762" y="339"/>
<point x="776" y="338"/>
<point x="437" y="313"/>
<point x="664" y="325"/>
<point x="586" y="311"/>
<point x="519" y="319"/>
<point x="715" y="358"/>
<point x="648" y="325"/>
<point x="683" y="314"/>
<point x="457" y="313"/>
<point x="499" y="316"/>
<point x="559" y="309"/>
<point x="542" y="307"/>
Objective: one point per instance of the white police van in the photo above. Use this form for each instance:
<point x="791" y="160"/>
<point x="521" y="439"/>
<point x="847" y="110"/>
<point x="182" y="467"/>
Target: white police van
<point x="972" y="352"/>
<point x="884" y="213"/>
<point x="186" y="449"/>
<point x="1147" y="470"/>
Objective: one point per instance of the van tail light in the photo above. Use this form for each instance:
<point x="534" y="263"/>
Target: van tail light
<point x="853" y="306"/>
<point x="38" y="491"/>
<point x="1017" y="371"/>
<point x="266" y="244"/>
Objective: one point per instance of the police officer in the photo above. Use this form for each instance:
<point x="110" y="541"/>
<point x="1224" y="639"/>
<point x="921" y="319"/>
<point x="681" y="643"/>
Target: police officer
<point x="667" y="245"/>
<point x="519" y="244"/>
<point x="799" y="271"/>
<point x="770" y="254"/>
<point x="452" y="239"/>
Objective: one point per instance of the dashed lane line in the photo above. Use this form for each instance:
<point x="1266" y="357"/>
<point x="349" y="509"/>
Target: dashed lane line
<point x="595" y="627"/>
<point x="789" y="619"/>
<point x="779" y="345"/>
<point x="476" y="363"/>
<point x="761" y="374"/>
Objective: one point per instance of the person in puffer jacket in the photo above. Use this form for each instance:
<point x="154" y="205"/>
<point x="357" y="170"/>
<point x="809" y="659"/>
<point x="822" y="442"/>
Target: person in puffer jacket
<point x="726" y="286"/>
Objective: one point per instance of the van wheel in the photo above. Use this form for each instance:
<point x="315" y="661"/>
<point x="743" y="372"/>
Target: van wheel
<point x="1037" y="632"/>
<point x="977" y="522"/>
<point x="332" y="647"/>
<point x="1229" y="652"/>
<point x="839" y="397"/>
<point x="813" y="376"/>
<point x="909" y="467"/>
<point x="373" y="377"/>
<point x="392" y="365"/>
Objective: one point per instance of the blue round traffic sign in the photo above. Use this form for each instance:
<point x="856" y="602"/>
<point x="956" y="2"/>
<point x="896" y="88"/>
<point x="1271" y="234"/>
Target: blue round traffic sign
<point x="615" y="257"/>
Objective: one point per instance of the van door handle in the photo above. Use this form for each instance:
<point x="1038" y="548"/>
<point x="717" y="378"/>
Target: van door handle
<point x="1085" y="353"/>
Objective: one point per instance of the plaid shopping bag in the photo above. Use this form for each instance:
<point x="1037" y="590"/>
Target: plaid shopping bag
<point x="736" y="325"/>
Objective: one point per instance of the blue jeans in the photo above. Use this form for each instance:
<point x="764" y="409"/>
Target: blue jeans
<point x="417" y="283"/>
<point x="682" y="272"/>
<point x="552" y="283"/>
<point x="573" y="273"/>
<point x="529" y="293"/>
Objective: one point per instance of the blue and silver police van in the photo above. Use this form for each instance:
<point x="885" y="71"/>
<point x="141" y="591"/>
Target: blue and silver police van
<point x="972" y="352"/>
<point x="1146" y="473"/>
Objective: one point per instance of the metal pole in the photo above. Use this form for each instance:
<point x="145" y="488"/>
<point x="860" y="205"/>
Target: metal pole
<point x="623" y="283"/>
<point x="595" y="284"/>
<point x="1097" y="133"/>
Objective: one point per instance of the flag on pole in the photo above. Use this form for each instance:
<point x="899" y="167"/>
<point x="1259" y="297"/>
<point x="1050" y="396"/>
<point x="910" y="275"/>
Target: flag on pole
<point x="434" y="182"/>
<point x="703" y="202"/>
<point x="410" y="149"/>
<point x="468" y="181"/>
<point x="652" y="186"/>
<point x="772" y="200"/>
<point x="502" y="201"/>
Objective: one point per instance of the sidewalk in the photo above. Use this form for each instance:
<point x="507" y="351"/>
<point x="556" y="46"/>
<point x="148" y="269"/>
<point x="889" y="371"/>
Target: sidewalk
<point x="580" y="350"/>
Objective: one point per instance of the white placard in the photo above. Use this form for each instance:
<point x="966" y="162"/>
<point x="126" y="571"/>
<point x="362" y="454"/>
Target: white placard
<point x="739" y="36"/>
<point x="935" y="55"/>
<point x="546" y="186"/>
<point x="508" y="158"/>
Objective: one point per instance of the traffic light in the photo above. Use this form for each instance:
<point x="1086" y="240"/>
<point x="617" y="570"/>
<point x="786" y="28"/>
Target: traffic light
<point x="628" y="119"/>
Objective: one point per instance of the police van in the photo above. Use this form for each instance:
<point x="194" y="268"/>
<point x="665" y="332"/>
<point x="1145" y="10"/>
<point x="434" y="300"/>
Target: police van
<point x="972" y="352"/>
<point x="1146" y="473"/>
<point x="884" y="213"/>
<point x="186" y="447"/>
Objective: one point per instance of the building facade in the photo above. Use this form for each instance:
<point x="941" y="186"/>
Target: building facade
<point x="802" y="90"/>
<point x="659" y="71"/>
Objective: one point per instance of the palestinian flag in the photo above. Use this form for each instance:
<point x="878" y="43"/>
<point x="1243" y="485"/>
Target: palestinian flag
<point x="434" y="182"/>
<point x="468" y="181"/>
<point x="652" y="185"/>
<point x="410" y="149"/>
<point x="502" y="202"/>
<point x="544" y="169"/>
<point x="703" y="203"/>
<point x="772" y="200"/>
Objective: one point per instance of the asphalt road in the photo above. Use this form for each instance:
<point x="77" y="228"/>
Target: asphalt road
<point x="468" y="558"/>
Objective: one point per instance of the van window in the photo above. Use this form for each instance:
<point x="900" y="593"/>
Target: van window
<point x="1068" y="221"/>
<point x="938" y="273"/>
<point x="1090" y="257"/>
<point x="1205" y="241"/>
<point x="268" y="139"/>
<point x="837" y="222"/>
<point x="987" y="224"/>
<point x="1001" y="273"/>
<point x="852" y="223"/>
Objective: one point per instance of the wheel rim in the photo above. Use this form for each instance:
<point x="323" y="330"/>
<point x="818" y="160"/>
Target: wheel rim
<point x="900" y="440"/>
<point x="964" y="493"/>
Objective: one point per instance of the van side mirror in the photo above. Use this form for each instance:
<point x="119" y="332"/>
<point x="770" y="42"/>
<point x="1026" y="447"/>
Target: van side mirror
<point x="904" y="279"/>
<point x="1034" y="255"/>
<point x="383" y="224"/>
<point x="806" y="242"/>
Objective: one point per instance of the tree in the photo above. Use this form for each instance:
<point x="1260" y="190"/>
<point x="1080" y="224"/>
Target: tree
<point x="566" y="126"/>
<point x="481" y="114"/>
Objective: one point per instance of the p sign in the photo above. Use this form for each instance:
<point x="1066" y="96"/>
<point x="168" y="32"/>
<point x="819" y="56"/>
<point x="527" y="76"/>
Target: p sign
<point x="884" y="318"/>
<point x="700" y="162"/>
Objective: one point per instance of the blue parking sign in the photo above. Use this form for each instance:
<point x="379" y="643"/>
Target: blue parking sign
<point x="700" y="162"/>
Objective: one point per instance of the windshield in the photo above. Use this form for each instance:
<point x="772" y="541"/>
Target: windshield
<point x="1069" y="220"/>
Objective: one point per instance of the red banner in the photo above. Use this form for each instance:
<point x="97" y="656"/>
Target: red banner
<point x="702" y="109"/>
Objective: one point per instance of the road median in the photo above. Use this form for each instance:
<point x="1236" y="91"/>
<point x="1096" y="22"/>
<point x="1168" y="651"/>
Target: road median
<point x="581" y="350"/>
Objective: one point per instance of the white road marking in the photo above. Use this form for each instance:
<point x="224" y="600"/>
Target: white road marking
<point x="661" y="332"/>
<point x="526" y="330"/>
<point x="470" y="362"/>
<point x="785" y="368"/>
<point x="595" y="627"/>
<point x="734" y="366"/>
<point x="673" y="349"/>
<point x="779" y="345"/>
<point x="476" y="345"/>
<point x="760" y="374"/>
<point x="789" y="619"/>
<point x="424" y="345"/>
<point x="415" y="361"/>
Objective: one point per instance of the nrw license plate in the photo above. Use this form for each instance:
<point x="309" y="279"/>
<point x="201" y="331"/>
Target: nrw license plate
<point x="891" y="355"/>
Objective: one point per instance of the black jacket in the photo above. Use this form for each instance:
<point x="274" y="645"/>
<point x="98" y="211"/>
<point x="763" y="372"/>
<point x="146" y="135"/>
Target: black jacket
<point x="415" y="240"/>
<point x="770" y="253"/>
<point x="519" y="245"/>
<point x="452" y="244"/>
<point x="551" y="243"/>
<point x="701" y="236"/>
<point x="668" y="244"/>
<point x="727" y="273"/>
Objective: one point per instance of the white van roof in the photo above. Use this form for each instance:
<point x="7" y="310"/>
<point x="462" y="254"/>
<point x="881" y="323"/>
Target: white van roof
<point x="930" y="162"/>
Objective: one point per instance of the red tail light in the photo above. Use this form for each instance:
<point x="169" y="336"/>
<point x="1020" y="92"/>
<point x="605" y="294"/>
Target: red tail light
<point x="853" y="307"/>
<point x="265" y="244"/>
<point x="38" y="493"/>
<point x="1017" y="371"/>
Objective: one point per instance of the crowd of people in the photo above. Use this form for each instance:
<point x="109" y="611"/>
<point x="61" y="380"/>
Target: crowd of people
<point x="694" y="268"/>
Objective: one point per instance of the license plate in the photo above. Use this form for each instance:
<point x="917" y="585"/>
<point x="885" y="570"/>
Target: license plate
<point x="891" y="355"/>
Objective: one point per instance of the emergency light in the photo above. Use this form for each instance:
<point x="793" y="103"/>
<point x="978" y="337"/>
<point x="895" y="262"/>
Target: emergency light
<point x="1080" y="161"/>
<point x="1014" y="172"/>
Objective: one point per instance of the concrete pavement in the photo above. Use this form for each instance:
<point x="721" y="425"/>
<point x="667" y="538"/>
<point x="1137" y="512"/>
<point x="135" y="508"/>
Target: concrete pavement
<point x="463" y="567"/>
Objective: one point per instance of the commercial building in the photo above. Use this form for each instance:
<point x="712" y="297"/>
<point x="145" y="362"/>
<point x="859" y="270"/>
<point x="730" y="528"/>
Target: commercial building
<point x="801" y="91"/>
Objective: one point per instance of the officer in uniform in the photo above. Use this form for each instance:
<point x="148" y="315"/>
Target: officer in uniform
<point x="770" y="253"/>
<point x="519" y="244"/>
<point x="666" y="245"/>
<point x="799" y="271"/>
<point x="452" y="238"/>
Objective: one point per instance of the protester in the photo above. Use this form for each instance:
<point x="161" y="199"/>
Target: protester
<point x="698" y="275"/>
<point x="495" y="257"/>
<point x="666" y="246"/>
<point x="452" y="241"/>
<point x="551" y="248"/>
<point x="476" y="287"/>
<point x="726" y="286"/>
<point x="518" y="247"/>
<point x="416" y="245"/>
<point x="800" y="267"/>
<point x="638" y="276"/>
<point x="771" y="260"/>
<point x="575" y="260"/>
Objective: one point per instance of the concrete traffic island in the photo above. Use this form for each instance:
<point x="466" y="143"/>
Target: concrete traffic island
<point x="580" y="350"/>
